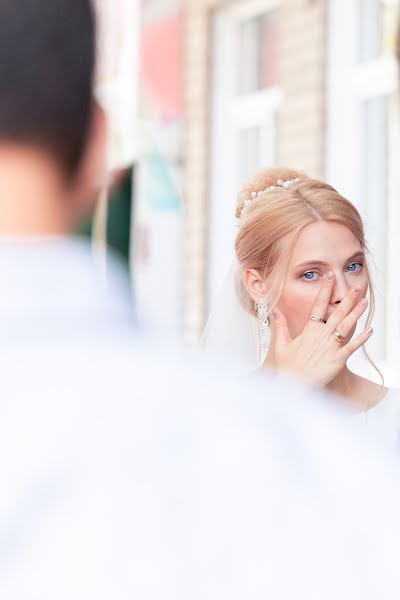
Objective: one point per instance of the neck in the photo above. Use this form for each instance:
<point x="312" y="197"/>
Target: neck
<point x="33" y="197"/>
<point x="343" y="384"/>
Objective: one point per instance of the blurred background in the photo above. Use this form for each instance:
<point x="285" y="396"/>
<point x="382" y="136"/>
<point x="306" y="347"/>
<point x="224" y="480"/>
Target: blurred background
<point x="201" y="94"/>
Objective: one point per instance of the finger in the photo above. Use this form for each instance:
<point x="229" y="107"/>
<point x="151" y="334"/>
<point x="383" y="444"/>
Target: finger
<point x="321" y="303"/>
<point x="282" y="334"/>
<point x="344" y="308"/>
<point x="348" y="324"/>
<point x="357" y="343"/>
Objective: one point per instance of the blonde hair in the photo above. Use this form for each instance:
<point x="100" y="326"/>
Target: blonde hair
<point x="271" y="223"/>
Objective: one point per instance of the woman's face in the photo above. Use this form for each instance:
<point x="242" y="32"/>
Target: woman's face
<point x="321" y="248"/>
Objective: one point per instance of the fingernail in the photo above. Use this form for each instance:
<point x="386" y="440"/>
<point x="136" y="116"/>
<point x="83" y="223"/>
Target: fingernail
<point x="357" y="290"/>
<point x="274" y="313"/>
<point x="330" y="276"/>
<point x="370" y="330"/>
<point x="364" y="302"/>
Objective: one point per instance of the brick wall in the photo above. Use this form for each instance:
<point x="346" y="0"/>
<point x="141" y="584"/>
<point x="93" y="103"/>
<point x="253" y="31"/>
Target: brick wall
<point x="303" y="71"/>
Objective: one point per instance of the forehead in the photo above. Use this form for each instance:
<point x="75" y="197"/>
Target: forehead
<point x="327" y="242"/>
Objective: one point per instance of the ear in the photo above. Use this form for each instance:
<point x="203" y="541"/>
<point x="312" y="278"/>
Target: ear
<point x="255" y="284"/>
<point x="93" y="169"/>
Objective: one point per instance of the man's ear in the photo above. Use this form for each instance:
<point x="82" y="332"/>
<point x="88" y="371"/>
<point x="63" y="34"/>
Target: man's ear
<point x="255" y="284"/>
<point x="92" y="173"/>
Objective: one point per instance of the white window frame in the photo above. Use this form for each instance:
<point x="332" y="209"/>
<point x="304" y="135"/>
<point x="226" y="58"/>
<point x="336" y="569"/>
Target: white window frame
<point x="349" y="84"/>
<point x="230" y="114"/>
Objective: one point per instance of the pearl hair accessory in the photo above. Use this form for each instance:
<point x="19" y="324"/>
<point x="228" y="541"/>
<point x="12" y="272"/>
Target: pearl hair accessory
<point x="254" y="195"/>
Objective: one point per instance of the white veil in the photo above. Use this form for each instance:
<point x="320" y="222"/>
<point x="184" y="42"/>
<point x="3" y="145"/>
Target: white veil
<point x="231" y="332"/>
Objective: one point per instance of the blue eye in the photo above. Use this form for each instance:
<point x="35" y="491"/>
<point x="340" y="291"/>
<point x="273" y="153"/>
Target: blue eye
<point x="310" y="276"/>
<point x="354" y="267"/>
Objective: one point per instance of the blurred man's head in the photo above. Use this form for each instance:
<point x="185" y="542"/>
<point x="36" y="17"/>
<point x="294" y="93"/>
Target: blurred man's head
<point x="47" y="62"/>
<point x="47" y="55"/>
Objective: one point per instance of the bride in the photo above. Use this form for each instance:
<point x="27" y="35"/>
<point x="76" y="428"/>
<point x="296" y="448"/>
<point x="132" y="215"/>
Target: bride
<point x="299" y="287"/>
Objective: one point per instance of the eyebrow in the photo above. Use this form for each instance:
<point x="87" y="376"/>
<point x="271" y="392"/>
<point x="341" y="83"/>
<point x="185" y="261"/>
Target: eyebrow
<point x="321" y="263"/>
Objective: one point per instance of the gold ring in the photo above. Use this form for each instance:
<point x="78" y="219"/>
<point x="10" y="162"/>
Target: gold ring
<point x="316" y="319"/>
<point x="338" y="337"/>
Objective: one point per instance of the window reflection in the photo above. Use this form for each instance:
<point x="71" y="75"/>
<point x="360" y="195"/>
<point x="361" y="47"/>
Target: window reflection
<point x="258" y="53"/>
<point x="378" y="21"/>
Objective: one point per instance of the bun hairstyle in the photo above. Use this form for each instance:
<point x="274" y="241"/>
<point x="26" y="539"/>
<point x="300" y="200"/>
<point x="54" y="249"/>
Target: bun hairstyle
<point x="270" y="221"/>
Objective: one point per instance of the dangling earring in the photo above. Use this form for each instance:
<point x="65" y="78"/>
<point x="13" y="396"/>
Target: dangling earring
<point x="264" y="328"/>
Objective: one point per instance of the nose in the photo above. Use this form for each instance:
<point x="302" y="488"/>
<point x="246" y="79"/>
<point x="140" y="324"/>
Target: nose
<point x="340" y="288"/>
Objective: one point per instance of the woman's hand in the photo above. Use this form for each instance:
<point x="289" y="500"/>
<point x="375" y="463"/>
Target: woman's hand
<point x="321" y="351"/>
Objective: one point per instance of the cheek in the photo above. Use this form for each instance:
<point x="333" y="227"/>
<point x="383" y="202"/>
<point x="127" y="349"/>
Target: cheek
<point x="358" y="279"/>
<point x="364" y="285"/>
<point x="296" y="304"/>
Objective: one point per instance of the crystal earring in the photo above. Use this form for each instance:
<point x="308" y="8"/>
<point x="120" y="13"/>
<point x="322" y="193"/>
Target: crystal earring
<point x="264" y="327"/>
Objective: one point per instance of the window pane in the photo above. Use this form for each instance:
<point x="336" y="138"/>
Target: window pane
<point x="257" y="149"/>
<point x="258" y="53"/>
<point x="378" y="28"/>
<point x="391" y="12"/>
<point x="269" y="50"/>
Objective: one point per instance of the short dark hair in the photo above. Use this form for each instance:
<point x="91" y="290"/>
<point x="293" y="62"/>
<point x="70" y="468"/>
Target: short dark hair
<point x="47" y="58"/>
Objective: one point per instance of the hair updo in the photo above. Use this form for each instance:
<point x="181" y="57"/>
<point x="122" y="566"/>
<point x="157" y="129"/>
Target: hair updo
<point x="271" y="223"/>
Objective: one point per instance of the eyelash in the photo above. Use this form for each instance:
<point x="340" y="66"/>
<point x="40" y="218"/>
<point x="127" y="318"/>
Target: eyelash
<point x="360" y="264"/>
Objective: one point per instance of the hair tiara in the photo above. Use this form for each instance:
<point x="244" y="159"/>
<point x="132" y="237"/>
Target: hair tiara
<point x="254" y="195"/>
